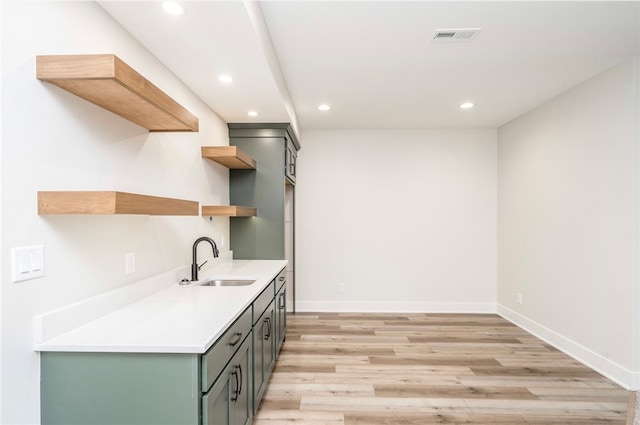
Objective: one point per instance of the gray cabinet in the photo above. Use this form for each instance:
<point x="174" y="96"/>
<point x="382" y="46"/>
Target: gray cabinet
<point x="220" y="387"/>
<point x="153" y="388"/>
<point x="119" y="388"/>
<point x="268" y="334"/>
<point x="290" y="158"/>
<point x="281" y="311"/>
<point x="263" y="342"/>
<point x="263" y="353"/>
<point x="271" y="189"/>
<point x="226" y="370"/>
<point x="217" y="404"/>
<point x="229" y="400"/>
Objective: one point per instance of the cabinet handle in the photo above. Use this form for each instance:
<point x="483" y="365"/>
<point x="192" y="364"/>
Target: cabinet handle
<point x="236" y="393"/>
<point x="241" y="379"/>
<point x="234" y="343"/>
<point x="282" y="302"/>
<point x="268" y="322"/>
<point x="281" y="278"/>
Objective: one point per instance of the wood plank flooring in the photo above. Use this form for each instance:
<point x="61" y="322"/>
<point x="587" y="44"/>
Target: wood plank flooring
<point x="374" y="369"/>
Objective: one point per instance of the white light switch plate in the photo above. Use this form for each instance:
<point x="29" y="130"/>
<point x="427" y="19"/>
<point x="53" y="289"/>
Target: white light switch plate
<point x="27" y="262"/>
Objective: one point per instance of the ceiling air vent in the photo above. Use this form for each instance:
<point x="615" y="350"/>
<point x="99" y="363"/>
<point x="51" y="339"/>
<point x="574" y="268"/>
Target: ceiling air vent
<point x="461" y="34"/>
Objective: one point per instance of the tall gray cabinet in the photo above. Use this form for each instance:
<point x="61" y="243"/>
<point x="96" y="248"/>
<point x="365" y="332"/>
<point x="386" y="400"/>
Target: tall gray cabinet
<point x="271" y="189"/>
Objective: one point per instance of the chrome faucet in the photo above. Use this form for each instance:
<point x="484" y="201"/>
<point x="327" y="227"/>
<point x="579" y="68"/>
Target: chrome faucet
<point x="194" y="265"/>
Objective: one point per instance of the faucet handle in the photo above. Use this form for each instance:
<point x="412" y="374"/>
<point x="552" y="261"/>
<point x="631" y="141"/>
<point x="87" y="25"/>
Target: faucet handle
<point x="200" y="266"/>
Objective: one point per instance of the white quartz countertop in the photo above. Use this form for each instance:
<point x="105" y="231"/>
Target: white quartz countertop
<point x="175" y="319"/>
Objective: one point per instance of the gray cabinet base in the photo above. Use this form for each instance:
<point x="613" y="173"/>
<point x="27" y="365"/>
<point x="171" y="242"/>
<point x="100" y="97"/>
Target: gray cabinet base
<point x="229" y="401"/>
<point x="119" y="388"/>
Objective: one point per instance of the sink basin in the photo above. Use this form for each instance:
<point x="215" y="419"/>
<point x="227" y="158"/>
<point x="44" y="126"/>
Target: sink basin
<point x="227" y="282"/>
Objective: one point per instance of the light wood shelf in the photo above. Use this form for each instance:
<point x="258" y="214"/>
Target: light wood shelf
<point x="108" y="82"/>
<point x="229" y="211"/>
<point x="231" y="157"/>
<point x="111" y="202"/>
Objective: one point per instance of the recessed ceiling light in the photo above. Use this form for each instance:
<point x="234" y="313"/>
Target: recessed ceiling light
<point x="173" y="8"/>
<point x="324" y="107"/>
<point x="252" y="113"/>
<point x="466" y="105"/>
<point x="225" y="79"/>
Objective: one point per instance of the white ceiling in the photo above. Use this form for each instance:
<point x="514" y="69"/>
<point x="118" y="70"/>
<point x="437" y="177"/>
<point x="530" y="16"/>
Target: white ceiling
<point x="375" y="62"/>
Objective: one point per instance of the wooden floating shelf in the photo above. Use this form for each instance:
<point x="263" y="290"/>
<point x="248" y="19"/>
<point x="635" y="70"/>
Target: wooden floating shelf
<point x="108" y="202"/>
<point x="230" y="156"/>
<point x="229" y="211"/>
<point x="108" y="82"/>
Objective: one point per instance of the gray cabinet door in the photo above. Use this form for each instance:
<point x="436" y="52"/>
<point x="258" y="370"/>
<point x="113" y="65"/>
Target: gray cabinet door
<point x="290" y="162"/>
<point x="281" y="318"/>
<point x="216" y="404"/>
<point x="229" y="401"/>
<point x="242" y="412"/>
<point x="263" y="352"/>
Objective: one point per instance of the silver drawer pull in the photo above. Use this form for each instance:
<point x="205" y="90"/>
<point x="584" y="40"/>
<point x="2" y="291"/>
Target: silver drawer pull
<point x="236" y="391"/>
<point x="234" y="343"/>
<point x="267" y="321"/>
<point x="241" y="379"/>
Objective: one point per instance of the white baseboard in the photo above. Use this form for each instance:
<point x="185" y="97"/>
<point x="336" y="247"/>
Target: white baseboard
<point x="622" y="376"/>
<point x="393" y="307"/>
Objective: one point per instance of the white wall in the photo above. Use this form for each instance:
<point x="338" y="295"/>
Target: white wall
<point x="1" y="259"/>
<point x="52" y="140"/>
<point x="636" y="354"/>
<point x="568" y="222"/>
<point x="406" y="220"/>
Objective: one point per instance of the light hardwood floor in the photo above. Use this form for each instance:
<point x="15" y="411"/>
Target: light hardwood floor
<point x="372" y="369"/>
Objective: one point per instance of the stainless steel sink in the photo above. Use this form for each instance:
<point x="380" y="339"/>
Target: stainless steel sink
<point x="227" y="282"/>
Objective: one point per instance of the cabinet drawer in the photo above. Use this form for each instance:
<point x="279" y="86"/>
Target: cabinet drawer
<point x="263" y="301"/>
<point x="214" y="360"/>
<point x="281" y="279"/>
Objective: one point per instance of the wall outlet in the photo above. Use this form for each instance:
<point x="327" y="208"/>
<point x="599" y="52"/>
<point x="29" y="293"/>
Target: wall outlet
<point x="519" y="298"/>
<point x="129" y="262"/>
<point x="340" y="287"/>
